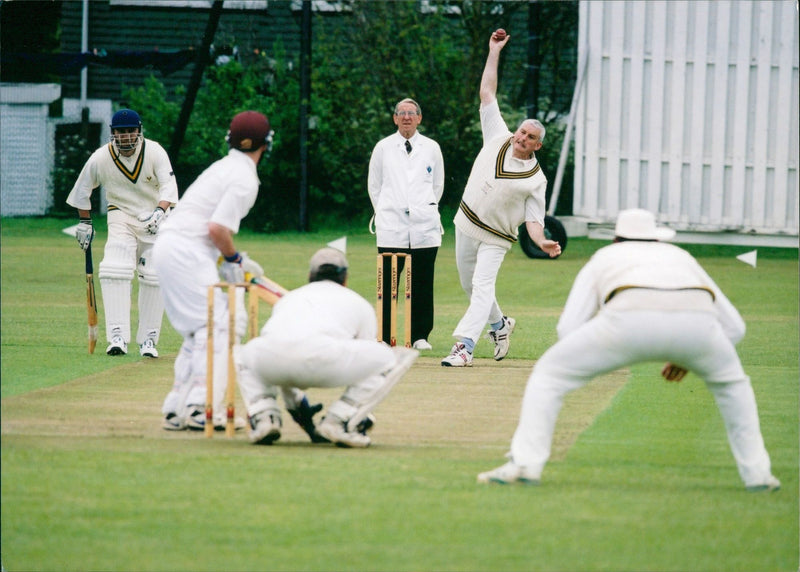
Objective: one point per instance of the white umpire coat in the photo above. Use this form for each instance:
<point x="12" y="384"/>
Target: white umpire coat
<point x="405" y="190"/>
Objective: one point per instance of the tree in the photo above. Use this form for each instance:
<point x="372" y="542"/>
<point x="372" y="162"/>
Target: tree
<point x="364" y="60"/>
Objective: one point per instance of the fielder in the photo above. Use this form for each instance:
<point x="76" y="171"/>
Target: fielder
<point x="140" y="187"/>
<point x="640" y="300"/>
<point x="200" y="230"/>
<point x="506" y="187"/>
<point x="320" y="335"/>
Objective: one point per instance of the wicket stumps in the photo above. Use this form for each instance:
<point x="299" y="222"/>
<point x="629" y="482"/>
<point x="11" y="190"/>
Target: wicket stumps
<point x="252" y="330"/>
<point x="394" y="289"/>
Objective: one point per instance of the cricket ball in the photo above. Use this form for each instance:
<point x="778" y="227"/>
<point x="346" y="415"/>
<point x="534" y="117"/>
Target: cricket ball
<point x="500" y="34"/>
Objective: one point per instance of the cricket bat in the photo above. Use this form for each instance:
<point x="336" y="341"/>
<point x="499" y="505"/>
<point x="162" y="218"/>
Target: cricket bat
<point x="91" y="300"/>
<point x="266" y="289"/>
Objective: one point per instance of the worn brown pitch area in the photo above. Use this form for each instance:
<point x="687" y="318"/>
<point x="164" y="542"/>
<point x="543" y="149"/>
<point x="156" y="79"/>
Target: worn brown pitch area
<point x="432" y="406"/>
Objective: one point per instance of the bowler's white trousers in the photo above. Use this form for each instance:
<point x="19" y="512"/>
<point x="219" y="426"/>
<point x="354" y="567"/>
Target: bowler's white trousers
<point x="614" y="339"/>
<point x="478" y="265"/>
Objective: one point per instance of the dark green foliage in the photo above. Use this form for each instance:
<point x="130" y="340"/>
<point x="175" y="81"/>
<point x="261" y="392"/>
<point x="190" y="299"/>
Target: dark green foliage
<point x="363" y="62"/>
<point x="74" y="146"/>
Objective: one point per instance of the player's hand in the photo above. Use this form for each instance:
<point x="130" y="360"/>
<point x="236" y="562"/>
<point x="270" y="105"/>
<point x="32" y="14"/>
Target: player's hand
<point x="84" y="233"/>
<point x="674" y="373"/>
<point x="250" y="266"/>
<point x="551" y="247"/>
<point x="231" y="272"/>
<point x="304" y="416"/>
<point x="152" y="220"/>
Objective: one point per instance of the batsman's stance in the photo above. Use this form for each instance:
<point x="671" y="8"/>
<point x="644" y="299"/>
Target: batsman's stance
<point x="640" y="300"/>
<point x="140" y="187"/>
<point x="199" y="231"/>
<point x="320" y="335"/>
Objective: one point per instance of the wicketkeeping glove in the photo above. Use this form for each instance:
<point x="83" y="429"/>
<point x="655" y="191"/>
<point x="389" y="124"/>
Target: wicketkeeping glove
<point x="84" y="233"/>
<point x="304" y="416"/>
<point x="153" y="219"/>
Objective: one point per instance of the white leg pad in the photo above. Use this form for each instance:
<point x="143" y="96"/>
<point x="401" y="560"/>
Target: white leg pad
<point x="381" y="385"/>
<point x="117" y="306"/>
<point x="151" y="310"/>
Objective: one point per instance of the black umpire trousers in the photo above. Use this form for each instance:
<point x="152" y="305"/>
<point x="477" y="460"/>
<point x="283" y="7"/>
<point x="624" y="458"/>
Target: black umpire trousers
<point x="423" y="261"/>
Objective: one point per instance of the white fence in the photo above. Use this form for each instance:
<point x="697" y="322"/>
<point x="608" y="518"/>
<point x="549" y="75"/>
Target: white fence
<point x="690" y="109"/>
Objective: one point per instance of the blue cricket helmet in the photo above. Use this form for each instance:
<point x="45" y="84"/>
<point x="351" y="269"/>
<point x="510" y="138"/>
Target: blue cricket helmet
<point x="126" y="118"/>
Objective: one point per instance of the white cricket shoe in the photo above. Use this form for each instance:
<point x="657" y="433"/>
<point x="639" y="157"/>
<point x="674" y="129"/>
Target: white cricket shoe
<point x="195" y="418"/>
<point x="221" y="421"/>
<point x="265" y="427"/>
<point x="459" y="357"/>
<point x="335" y="430"/>
<point x="508" y="474"/>
<point x="501" y="336"/>
<point x="117" y="346"/>
<point x="772" y="484"/>
<point x="173" y="422"/>
<point x="148" y="348"/>
<point x="422" y="344"/>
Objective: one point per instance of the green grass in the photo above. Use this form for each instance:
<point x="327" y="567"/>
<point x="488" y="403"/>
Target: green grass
<point x="646" y="482"/>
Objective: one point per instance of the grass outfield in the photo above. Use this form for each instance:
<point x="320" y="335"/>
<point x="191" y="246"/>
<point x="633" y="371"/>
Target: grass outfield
<point x="641" y="478"/>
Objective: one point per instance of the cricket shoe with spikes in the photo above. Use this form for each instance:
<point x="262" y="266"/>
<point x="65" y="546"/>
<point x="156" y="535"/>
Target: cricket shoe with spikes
<point x="335" y="430"/>
<point x="220" y="423"/>
<point x="148" y="348"/>
<point x="195" y="418"/>
<point x="117" y="346"/>
<point x="771" y="485"/>
<point x="459" y="357"/>
<point x="508" y="474"/>
<point x="501" y="337"/>
<point x="265" y="427"/>
<point x="173" y="422"/>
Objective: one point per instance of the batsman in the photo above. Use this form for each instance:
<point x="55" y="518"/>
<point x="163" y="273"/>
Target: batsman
<point x="200" y="230"/>
<point x="140" y="188"/>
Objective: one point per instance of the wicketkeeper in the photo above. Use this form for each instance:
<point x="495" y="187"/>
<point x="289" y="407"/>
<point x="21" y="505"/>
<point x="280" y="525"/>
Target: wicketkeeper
<point x="140" y="188"/>
<point x="320" y="335"/>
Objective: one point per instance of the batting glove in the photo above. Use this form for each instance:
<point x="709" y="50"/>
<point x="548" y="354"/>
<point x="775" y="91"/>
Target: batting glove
<point x="231" y="269"/>
<point x="250" y="266"/>
<point x="153" y="219"/>
<point x="84" y="233"/>
<point x="304" y="416"/>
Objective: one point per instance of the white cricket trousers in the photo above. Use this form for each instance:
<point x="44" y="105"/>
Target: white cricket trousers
<point x="268" y="362"/>
<point x="478" y="265"/>
<point x="615" y="339"/>
<point x="186" y="270"/>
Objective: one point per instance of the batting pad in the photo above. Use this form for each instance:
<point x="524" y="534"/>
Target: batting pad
<point x="405" y="359"/>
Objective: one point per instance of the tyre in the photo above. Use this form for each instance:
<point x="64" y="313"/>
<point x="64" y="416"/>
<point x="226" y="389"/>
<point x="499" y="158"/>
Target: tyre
<point x="553" y="229"/>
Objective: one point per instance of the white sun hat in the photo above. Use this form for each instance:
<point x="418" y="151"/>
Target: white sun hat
<point x="639" y="224"/>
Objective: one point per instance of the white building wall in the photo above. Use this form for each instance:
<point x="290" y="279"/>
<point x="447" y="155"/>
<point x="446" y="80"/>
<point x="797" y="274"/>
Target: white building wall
<point x="26" y="148"/>
<point x="690" y="109"/>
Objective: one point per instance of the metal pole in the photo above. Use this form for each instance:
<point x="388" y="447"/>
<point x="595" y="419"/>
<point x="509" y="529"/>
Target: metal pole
<point x="534" y="12"/>
<point x="573" y="110"/>
<point x="305" y="100"/>
<point x="194" y="84"/>
<point x="84" y="49"/>
<point x="84" y="71"/>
